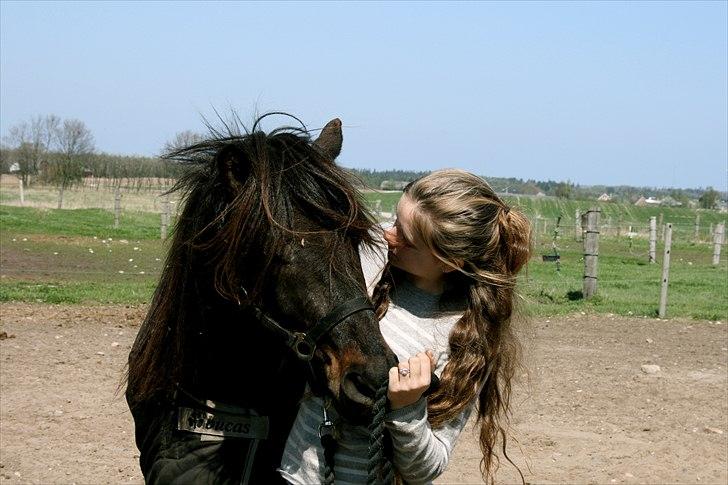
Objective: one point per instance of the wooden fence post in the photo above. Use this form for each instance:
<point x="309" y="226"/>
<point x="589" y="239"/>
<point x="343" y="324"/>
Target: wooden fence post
<point x="697" y="227"/>
<point x="662" y="227"/>
<point x="577" y="225"/>
<point x="665" y="271"/>
<point x="653" y="239"/>
<point x="117" y="207"/>
<point x="717" y="242"/>
<point x="22" y="192"/>
<point x="591" y="252"/>
<point x="165" y="217"/>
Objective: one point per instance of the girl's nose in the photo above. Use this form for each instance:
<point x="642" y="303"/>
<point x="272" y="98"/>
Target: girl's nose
<point x="390" y="235"/>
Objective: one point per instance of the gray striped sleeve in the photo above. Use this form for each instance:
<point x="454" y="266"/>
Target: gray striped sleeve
<point x="421" y="454"/>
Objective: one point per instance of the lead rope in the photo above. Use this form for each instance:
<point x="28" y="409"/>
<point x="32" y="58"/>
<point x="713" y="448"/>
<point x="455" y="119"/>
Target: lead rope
<point x="379" y="467"/>
<point x="328" y="441"/>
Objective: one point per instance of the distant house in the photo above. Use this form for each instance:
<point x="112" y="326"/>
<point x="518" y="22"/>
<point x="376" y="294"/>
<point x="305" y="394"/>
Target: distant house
<point x="652" y="201"/>
<point x="604" y="198"/>
<point x="393" y="184"/>
<point x="540" y="194"/>
<point x="641" y="202"/>
<point x="670" y="202"/>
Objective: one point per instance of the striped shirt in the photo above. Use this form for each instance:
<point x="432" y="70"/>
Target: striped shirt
<point x="420" y="454"/>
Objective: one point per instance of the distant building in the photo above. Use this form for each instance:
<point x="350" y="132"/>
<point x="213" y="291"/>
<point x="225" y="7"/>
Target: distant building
<point x="670" y="202"/>
<point x="604" y="198"/>
<point x="652" y="201"/>
<point x="393" y="184"/>
<point x="641" y="202"/>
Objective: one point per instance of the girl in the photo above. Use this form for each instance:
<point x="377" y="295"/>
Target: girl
<point x="445" y="300"/>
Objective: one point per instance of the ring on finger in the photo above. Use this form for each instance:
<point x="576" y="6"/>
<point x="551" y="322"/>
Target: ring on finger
<point x="404" y="372"/>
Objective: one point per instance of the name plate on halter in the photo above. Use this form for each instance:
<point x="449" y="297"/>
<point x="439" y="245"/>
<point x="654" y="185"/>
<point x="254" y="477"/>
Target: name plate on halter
<point x="222" y="424"/>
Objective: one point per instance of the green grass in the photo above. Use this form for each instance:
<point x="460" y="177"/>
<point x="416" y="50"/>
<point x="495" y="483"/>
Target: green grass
<point x="79" y="222"/>
<point x="627" y="283"/>
<point x="387" y="200"/>
<point x="78" y="292"/>
<point x="76" y="256"/>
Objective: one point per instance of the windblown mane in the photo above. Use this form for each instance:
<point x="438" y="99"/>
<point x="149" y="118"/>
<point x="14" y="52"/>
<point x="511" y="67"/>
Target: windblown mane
<point x="227" y="216"/>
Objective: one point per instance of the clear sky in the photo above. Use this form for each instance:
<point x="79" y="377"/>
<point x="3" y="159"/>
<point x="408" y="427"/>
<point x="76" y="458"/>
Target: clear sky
<point x="594" y="92"/>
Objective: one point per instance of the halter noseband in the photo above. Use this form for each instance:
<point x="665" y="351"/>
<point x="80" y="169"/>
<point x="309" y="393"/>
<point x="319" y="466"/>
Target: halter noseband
<point x="303" y="344"/>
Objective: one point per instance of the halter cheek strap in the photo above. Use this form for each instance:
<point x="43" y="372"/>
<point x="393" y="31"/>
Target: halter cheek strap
<point x="304" y="344"/>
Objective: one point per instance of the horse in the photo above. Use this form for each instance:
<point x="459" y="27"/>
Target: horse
<point x="262" y="291"/>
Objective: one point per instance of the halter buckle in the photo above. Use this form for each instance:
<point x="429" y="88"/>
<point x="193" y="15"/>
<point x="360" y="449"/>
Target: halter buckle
<point x="303" y="346"/>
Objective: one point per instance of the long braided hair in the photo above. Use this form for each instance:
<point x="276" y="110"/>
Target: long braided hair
<point x="469" y="228"/>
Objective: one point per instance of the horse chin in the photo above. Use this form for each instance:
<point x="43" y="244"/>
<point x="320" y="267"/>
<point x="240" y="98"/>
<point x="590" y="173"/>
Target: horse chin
<point x="354" y="402"/>
<point x="355" y="412"/>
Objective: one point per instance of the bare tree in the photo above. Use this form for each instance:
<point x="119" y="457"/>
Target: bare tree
<point x="75" y="143"/>
<point x="32" y="141"/>
<point x="18" y="138"/>
<point x="183" y="139"/>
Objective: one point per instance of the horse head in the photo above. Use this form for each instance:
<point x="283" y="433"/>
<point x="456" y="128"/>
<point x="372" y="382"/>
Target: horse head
<point x="269" y="232"/>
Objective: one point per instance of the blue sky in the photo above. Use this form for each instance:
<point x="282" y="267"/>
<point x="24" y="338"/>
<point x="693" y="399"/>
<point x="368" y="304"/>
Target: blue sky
<point x="593" y="92"/>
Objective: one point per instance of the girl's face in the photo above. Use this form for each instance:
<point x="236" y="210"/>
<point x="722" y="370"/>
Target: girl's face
<point x="410" y="254"/>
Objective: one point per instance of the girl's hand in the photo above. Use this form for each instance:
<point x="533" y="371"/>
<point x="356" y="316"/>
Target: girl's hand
<point x="409" y="380"/>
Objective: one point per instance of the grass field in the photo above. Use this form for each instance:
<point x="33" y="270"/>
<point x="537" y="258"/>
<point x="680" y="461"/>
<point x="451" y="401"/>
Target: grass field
<point x="77" y="256"/>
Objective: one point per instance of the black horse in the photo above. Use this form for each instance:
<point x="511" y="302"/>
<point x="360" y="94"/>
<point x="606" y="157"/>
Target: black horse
<point x="262" y="290"/>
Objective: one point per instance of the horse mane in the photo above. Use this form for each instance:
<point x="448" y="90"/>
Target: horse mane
<point x="274" y="176"/>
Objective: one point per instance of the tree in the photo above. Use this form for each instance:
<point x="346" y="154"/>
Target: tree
<point x="75" y="144"/>
<point x="709" y="199"/>
<point x="563" y="190"/>
<point x="32" y="141"/>
<point x="183" y="139"/>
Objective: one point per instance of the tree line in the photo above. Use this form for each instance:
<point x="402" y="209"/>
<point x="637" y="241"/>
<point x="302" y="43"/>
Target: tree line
<point x="50" y="150"/>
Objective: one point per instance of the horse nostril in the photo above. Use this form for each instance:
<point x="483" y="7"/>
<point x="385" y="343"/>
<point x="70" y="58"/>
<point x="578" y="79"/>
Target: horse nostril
<point x="358" y="389"/>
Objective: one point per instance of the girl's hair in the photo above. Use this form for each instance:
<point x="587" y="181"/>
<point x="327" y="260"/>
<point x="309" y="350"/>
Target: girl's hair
<point x="469" y="228"/>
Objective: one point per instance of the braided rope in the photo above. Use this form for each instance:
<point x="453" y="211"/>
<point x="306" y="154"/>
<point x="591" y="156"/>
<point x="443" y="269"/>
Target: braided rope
<point x="329" y="444"/>
<point x="379" y="467"/>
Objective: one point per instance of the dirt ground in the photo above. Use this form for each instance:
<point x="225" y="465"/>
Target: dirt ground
<point x="588" y="413"/>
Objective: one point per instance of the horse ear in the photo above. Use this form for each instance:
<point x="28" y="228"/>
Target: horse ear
<point x="232" y="166"/>
<point x="330" y="139"/>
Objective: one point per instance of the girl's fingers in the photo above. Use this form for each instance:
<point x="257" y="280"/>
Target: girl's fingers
<point x="414" y="367"/>
<point x="393" y="378"/>
<point x="433" y="361"/>
<point x="426" y="368"/>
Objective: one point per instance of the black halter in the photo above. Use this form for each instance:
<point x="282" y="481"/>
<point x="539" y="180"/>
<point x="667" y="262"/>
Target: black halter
<point x="303" y="344"/>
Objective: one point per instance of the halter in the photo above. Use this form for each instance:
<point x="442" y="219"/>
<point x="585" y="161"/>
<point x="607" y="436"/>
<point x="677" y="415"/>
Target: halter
<point x="304" y="344"/>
